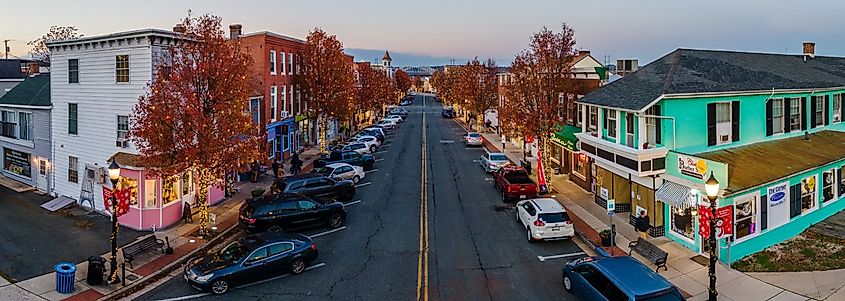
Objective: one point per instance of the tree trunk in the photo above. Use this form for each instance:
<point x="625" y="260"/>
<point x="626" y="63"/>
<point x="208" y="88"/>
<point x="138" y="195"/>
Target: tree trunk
<point x="323" y="134"/>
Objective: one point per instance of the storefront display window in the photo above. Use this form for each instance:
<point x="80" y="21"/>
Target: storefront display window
<point x="842" y="181"/>
<point x="827" y="185"/>
<point x="17" y="162"/>
<point x="187" y="184"/>
<point x="808" y="194"/>
<point x="580" y="168"/>
<point x="149" y="193"/>
<point x="132" y="185"/>
<point x="169" y="190"/>
<point x="682" y="222"/>
<point x="746" y="217"/>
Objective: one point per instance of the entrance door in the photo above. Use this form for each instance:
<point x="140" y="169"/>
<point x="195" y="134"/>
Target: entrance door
<point x="41" y="181"/>
<point x="187" y="186"/>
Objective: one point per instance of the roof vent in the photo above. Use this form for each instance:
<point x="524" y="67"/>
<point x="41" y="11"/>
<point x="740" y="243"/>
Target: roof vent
<point x="807" y="136"/>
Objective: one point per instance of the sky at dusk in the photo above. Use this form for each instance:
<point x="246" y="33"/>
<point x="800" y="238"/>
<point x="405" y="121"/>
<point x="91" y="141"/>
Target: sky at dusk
<point x="435" y="31"/>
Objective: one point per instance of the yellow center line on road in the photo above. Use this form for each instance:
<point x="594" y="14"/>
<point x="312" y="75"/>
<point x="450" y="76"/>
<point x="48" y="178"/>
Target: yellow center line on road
<point x="422" y="259"/>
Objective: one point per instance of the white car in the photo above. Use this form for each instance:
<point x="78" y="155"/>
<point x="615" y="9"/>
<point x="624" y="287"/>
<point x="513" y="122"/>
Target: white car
<point x="377" y="129"/>
<point x="544" y="219"/>
<point x="473" y="138"/>
<point x="397" y="117"/>
<point x="342" y="171"/>
<point x="357" y="147"/>
<point x="387" y="123"/>
<point x="370" y="141"/>
<point x="493" y="161"/>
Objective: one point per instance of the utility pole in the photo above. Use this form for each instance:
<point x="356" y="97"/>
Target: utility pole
<point x="6" y="47"/>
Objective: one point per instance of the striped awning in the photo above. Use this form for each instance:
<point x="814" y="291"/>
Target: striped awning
<point x="674" y="194"/>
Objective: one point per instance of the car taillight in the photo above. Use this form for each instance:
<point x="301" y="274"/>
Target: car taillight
<point x="511" y="189"/>
<point x="313" y="246"/>
<point x="539" y="223"/>
<point x="250" y="220"/>
<point x="568" y="222"/>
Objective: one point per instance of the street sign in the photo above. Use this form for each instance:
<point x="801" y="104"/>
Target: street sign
<point x="611" y="205"/>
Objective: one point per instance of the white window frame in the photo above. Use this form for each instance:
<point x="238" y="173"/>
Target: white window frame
<point x="118" y="69"/>
<point x="272" y="62"/>
<point x="274" y="97"/>
<point x="782" y="129"/>
<point x="73" y="169"/>
<point x="285" y="99"/>
<point x="651" y="127"/>
<point x="257" y="108"/>
<point x="795" y="103"/>
<point x="593" y="124"/>
<point x="612" y="119"/>
<point x="813" y="194"/>
<point x="820" y="112"/>
<point x="119" y="131"/>
<point x="28" y="127"/>
<point x="283" y="59"/>
<point x="754" y="199"/>
<point x="832" y="185"/>
<point x="724" y="127"/>
<point x="837" y="108"/>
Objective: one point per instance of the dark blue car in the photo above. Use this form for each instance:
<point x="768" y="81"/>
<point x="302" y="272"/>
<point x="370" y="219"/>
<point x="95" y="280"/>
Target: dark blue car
<point x="249" y="259"/>
<point x="616" y="279"/>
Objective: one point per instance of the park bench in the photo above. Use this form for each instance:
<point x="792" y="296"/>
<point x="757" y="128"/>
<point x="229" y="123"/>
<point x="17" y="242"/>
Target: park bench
<point x="650" y="252"/>
<point x="135" y="248"/>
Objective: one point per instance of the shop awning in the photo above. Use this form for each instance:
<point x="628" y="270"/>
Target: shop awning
<point x="674" y="194"/>
<point x="565" y="136"/>
<point x="300" y="118"/>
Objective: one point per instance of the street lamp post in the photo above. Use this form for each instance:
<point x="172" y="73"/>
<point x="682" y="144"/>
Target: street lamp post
<point x="712" y="189"/>
<point x="114" y="175"/>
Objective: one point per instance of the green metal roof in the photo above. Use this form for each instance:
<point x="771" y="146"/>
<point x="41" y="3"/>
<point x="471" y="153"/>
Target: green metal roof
<point x="566" y="137"/>
<point x="33" y="91"/>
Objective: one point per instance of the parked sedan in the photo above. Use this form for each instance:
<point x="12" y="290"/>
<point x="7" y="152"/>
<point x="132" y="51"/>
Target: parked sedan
<point x="371" y="132"/>
<point x="282" y="212"/>
<point x="398" y="118"/>
<point x="473" y="139"/>
<point x="351" y="157"/>
<point x="360" y="148"/>
<point x="316" y="185"/>
<point x="493" y="161"/>
<point x="249" y="259"/>
<point x="399" y="111"/>
<point x="389" y="124"/>
<point x="371" y="142"/>
<point x="342" y="172"/>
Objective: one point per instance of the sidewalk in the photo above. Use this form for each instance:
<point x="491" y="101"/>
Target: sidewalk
<point x="688" y="275"/>
<point x="150" y="265"/>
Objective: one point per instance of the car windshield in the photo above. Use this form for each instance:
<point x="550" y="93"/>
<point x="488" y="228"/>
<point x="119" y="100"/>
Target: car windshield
<point x="323" y="170"/>
<point x="475" y="135"/>
<point x="668" y="295"/>
<point x="498" y="158"/>
<point x="233" y="252"/>
<point x="558" y="217"/>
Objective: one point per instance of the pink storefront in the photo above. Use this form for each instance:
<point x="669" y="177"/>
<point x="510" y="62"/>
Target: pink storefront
<point x="156" y="202"/>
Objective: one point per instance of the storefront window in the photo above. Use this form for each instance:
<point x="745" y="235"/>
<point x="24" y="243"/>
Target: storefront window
<point x="132" y="185"/>
<point x="580" y="168"/>
<point x="187" y="184"/>
<point x="17" y="162"/>
<point x="827" y="185"/>
<point x="149" y="193"/>
<point x="169" y="190"/>
<point x="842" y="181"/>
<point x="808" y="194"/>
<point x="746" y="217"/>
<point x="682" y="222"/>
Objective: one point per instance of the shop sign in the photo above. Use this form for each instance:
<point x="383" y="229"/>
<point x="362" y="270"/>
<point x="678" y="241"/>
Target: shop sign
<point x="603" y="193"/>
<point x="17" y="162"/>
<point x="724" y="221"/>
<point x="693" y="167"/>
<point x="611" y="205"/>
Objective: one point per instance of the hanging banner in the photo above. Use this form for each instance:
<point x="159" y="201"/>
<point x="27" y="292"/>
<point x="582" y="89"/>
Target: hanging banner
<point x="541" y="175"/>
<point x="724" y="221"/>
<point x="778" y="202"/>
<point x="122" y="196"/>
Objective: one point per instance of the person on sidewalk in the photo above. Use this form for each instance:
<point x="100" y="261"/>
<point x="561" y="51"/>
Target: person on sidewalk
<point x="295" y="163"/>
<point x="275" y="168"/>
<point x="642" y="224"/>
<point x="186" y="214"/>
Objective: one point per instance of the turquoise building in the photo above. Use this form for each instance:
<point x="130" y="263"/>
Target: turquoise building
<point x="769" y="127"/>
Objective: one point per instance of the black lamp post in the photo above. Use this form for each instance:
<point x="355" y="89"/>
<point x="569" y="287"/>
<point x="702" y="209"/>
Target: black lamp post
<point x="114" y="175"/>
<point x="712" y="189"/>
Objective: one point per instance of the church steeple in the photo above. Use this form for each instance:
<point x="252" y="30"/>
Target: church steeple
<point x="385" y="60"/>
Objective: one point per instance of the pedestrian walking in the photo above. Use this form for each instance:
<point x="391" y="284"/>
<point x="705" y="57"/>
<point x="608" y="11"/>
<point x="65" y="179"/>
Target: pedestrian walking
<point x="295" y="164"/>
<point x="186" y="213"/>
<point x="642" y="224"/>
<point x="275" y="166"/>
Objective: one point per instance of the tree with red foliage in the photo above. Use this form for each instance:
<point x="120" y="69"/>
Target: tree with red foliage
<point x="194" y="116"/>
<point x="375" y="90"/>
<point x="417" y="83"/>
<point x="327" y="81"/>
<point x="402" y="80"/>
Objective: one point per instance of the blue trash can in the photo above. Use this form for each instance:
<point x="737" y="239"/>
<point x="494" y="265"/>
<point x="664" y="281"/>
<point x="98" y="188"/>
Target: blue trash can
<point x="65" y="277"/>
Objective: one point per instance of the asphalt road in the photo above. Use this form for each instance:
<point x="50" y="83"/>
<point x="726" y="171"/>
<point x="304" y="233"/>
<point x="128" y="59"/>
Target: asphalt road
<point x="476" y="250"/>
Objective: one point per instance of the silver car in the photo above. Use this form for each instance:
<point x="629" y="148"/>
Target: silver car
<point x="493" y="161"/>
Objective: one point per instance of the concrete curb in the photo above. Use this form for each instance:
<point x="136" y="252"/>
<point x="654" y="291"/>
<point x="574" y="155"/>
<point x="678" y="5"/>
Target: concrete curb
<point x="166" y="270"/>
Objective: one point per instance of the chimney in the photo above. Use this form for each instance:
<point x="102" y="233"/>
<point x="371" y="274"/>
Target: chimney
<point x="234" y="31"/>
<point x="583" y="52"/>
<point x="34" y="69"/>
<point x="809" y="49"/>
<point x="179" y="28"/>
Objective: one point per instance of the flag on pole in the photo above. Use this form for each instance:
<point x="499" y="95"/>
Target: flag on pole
<point x="541" y="175"/>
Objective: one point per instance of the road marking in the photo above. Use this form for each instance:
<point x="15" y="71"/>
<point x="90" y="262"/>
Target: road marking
<point x="379" y="160"/>
<point x="379" y="152"/>
<point x="488" y="179"/>
<point x="447" y="141"/>
<point x="543" y="258"/>
<point x="373" y="170"/>
<point x="326" y="232"/>
<point x="474" y="148"/>
<point x="352" y="203"/>
<point x="188" y="297"/>
<point x="363" y="184"/>
<point x="422" y="259"/>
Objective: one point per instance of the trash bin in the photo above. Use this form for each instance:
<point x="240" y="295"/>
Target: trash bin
<point x="96" y="266"/>
<point x="65" y="274"/>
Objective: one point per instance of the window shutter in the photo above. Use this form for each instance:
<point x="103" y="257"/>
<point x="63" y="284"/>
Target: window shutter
<point x="711" y="124"/>
<point x="735" y="120"/>
<point x="658" y="124"/>
<point x="787" y="127"/>
<point x="769" y="129"/>
<point x="604" y="118"/>
<point x="826" y="109"/>
<point x="794" y="200"/>
<point x="842" y="106"/>
<point x="813" y="111"/>
<point x="803" y="113"/>
<point x="764" y="213"/>
<point x="839" y="182"/>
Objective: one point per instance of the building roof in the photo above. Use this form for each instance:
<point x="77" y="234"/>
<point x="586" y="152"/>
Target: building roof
<point x="386" y="56"/>
<point x="126" y="159"/>
<point x="273" y="34"/>
<point x="115" y="36"/>
<point x="760" y="163"/>
<point x="33" y="91"/>
<point x="10" y="69"/>
<point x="698" y="71"/>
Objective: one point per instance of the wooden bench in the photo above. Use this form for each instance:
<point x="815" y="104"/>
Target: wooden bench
<point x="140" y="246"/>
<point x="650" y="252"/>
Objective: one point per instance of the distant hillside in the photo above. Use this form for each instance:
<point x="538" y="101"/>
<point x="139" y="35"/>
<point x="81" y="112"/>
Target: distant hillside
<point x="400" y="58"/>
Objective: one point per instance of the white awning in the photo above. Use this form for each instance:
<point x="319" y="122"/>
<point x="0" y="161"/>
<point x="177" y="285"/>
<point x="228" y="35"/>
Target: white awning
<point x="674" y="194"/>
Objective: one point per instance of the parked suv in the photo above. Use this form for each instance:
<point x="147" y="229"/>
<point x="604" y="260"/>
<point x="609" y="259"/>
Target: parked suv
<point x="315" y="185"/>
<point x="616" y="278"/>
<point x="544" y="219"/>
<point x="282" y="212"/>
<point x="447" y="112"/>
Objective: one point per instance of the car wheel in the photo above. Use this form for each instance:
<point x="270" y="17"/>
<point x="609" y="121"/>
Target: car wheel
<point x="567" y="284"/>
<point x="355" y="179"/>
<point x="275" y="229"/>
<point x="220" y="287"/>
<point x="530" y="238"/>
<point x="297" y="266"/>
<point x="335" y="221"/>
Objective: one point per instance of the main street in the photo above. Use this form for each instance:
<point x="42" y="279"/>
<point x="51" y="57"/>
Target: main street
<point x="465" y="246"/>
